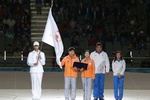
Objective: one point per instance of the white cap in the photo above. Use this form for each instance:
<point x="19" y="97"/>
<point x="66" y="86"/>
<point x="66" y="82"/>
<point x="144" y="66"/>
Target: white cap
<point x="36" y="43"/>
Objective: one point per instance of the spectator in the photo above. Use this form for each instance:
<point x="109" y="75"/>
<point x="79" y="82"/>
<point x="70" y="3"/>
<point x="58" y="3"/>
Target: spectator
<point x="38" y="6"/>
<point x="3" y="13"/>
<point x="9" y="50"/>
<point x="18" y="40"/>
<point x="72" y="23"/>
<point x="18" y="10"/>
<point x="91" y="41"/>
<point x="5" y="20"/>
<point x="141" y="46"/>
<point x="1" y="27"/>
<point x="75" y="39"/>
<point x="10" y="22"/>
<point x="25" y="17"/>
<point x="17" y="27"/>
<point x="26" y="38"/>
<point x="26" y="49"/>
<point x="9" y="37"/>
<point x="17" y="52"/>
<point x="47" y="1"/>
<point x="25" y="28"/>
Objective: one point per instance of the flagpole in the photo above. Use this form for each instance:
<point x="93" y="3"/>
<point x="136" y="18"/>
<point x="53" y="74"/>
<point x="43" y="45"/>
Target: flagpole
<point x="42" y="41"/>
<point x="52" y="3"/>
<point x="41" y="46"/>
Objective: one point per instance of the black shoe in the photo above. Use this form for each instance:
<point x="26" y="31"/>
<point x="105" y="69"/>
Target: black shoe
<point x="102" y="99"/>
<point x="95" y="99"/>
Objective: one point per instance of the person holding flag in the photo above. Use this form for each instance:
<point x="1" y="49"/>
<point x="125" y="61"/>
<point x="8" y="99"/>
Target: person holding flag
<point x="70" y="73"/>
<point x="102" y="67"/>
<point x="88" y="76"/>
<point x="36" y="60"/>
<point x="118" y="67"/>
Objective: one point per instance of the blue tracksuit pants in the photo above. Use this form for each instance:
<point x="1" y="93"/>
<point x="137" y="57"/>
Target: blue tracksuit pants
<point x="99" y="86"/>
<point x="118" y="87"/>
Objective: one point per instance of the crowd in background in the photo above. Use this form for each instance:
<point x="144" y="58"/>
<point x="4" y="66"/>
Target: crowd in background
<point x="15" y="26"/>
<point x="123" y="21"/>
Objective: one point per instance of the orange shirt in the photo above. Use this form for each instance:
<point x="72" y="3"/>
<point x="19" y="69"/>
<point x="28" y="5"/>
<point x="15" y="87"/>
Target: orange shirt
<point x="90" y="72"/>
<point x="67" y="62"/>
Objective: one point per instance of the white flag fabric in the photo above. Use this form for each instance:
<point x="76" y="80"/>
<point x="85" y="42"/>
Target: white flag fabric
<point x="52" y="37"/>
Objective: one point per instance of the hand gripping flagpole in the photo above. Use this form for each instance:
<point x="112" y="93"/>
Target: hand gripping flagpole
<point x="40" y="50"/>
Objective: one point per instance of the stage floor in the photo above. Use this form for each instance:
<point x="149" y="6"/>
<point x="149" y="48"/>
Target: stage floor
<point x="17" y="86"/>
<point x="53" y="94"/>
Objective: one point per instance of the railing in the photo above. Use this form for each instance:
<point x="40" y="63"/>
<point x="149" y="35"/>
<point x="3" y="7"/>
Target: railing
<point x="131" y="62"/>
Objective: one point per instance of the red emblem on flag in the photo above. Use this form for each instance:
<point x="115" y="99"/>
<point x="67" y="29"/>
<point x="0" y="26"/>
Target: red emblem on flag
<point x="57" y="36"/>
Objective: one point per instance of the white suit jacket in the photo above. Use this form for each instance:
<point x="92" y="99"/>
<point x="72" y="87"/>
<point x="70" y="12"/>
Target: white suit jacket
<point x="118" y="67"/>
<point x="33" y="58"/>
<point x="101" y="62"/>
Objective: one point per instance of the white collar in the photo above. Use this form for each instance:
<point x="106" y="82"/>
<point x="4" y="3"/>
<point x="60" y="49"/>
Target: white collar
<point x="36" y="52"/>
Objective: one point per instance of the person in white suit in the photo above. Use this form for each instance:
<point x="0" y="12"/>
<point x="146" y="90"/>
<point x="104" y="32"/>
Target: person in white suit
<point x="36" y="60"/>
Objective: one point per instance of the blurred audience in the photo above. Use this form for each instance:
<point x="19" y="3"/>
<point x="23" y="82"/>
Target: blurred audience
<point x="15" y="24"/>
<point x="112" y="21"/>
<point x="123" y="21"/>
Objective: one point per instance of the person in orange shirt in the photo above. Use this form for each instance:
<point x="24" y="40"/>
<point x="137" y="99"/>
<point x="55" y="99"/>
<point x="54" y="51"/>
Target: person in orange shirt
<point x="87" y="76"/>
<point x="70" y="73"/>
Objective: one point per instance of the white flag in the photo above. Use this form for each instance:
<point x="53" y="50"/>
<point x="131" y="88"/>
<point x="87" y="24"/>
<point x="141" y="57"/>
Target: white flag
<point x="52" y="37"/>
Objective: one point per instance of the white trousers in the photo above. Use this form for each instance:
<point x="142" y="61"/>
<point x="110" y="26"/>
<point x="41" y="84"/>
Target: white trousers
<point x="36" y="82"/>
<point x="87" y="88"/>
<point x="70" y="84"/>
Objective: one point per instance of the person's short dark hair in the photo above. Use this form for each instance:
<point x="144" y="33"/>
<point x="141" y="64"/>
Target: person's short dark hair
<point x="87" y="51"/>
<point x="99" y="44"/>
<point x="71" y="48"/>
<point x="119" y="52"/>
<point x="116" y="56"/>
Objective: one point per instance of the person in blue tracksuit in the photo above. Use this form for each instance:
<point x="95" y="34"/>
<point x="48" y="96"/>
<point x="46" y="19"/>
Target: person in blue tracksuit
<point x="118" y="67"/>
<point x="102" y="67"/>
